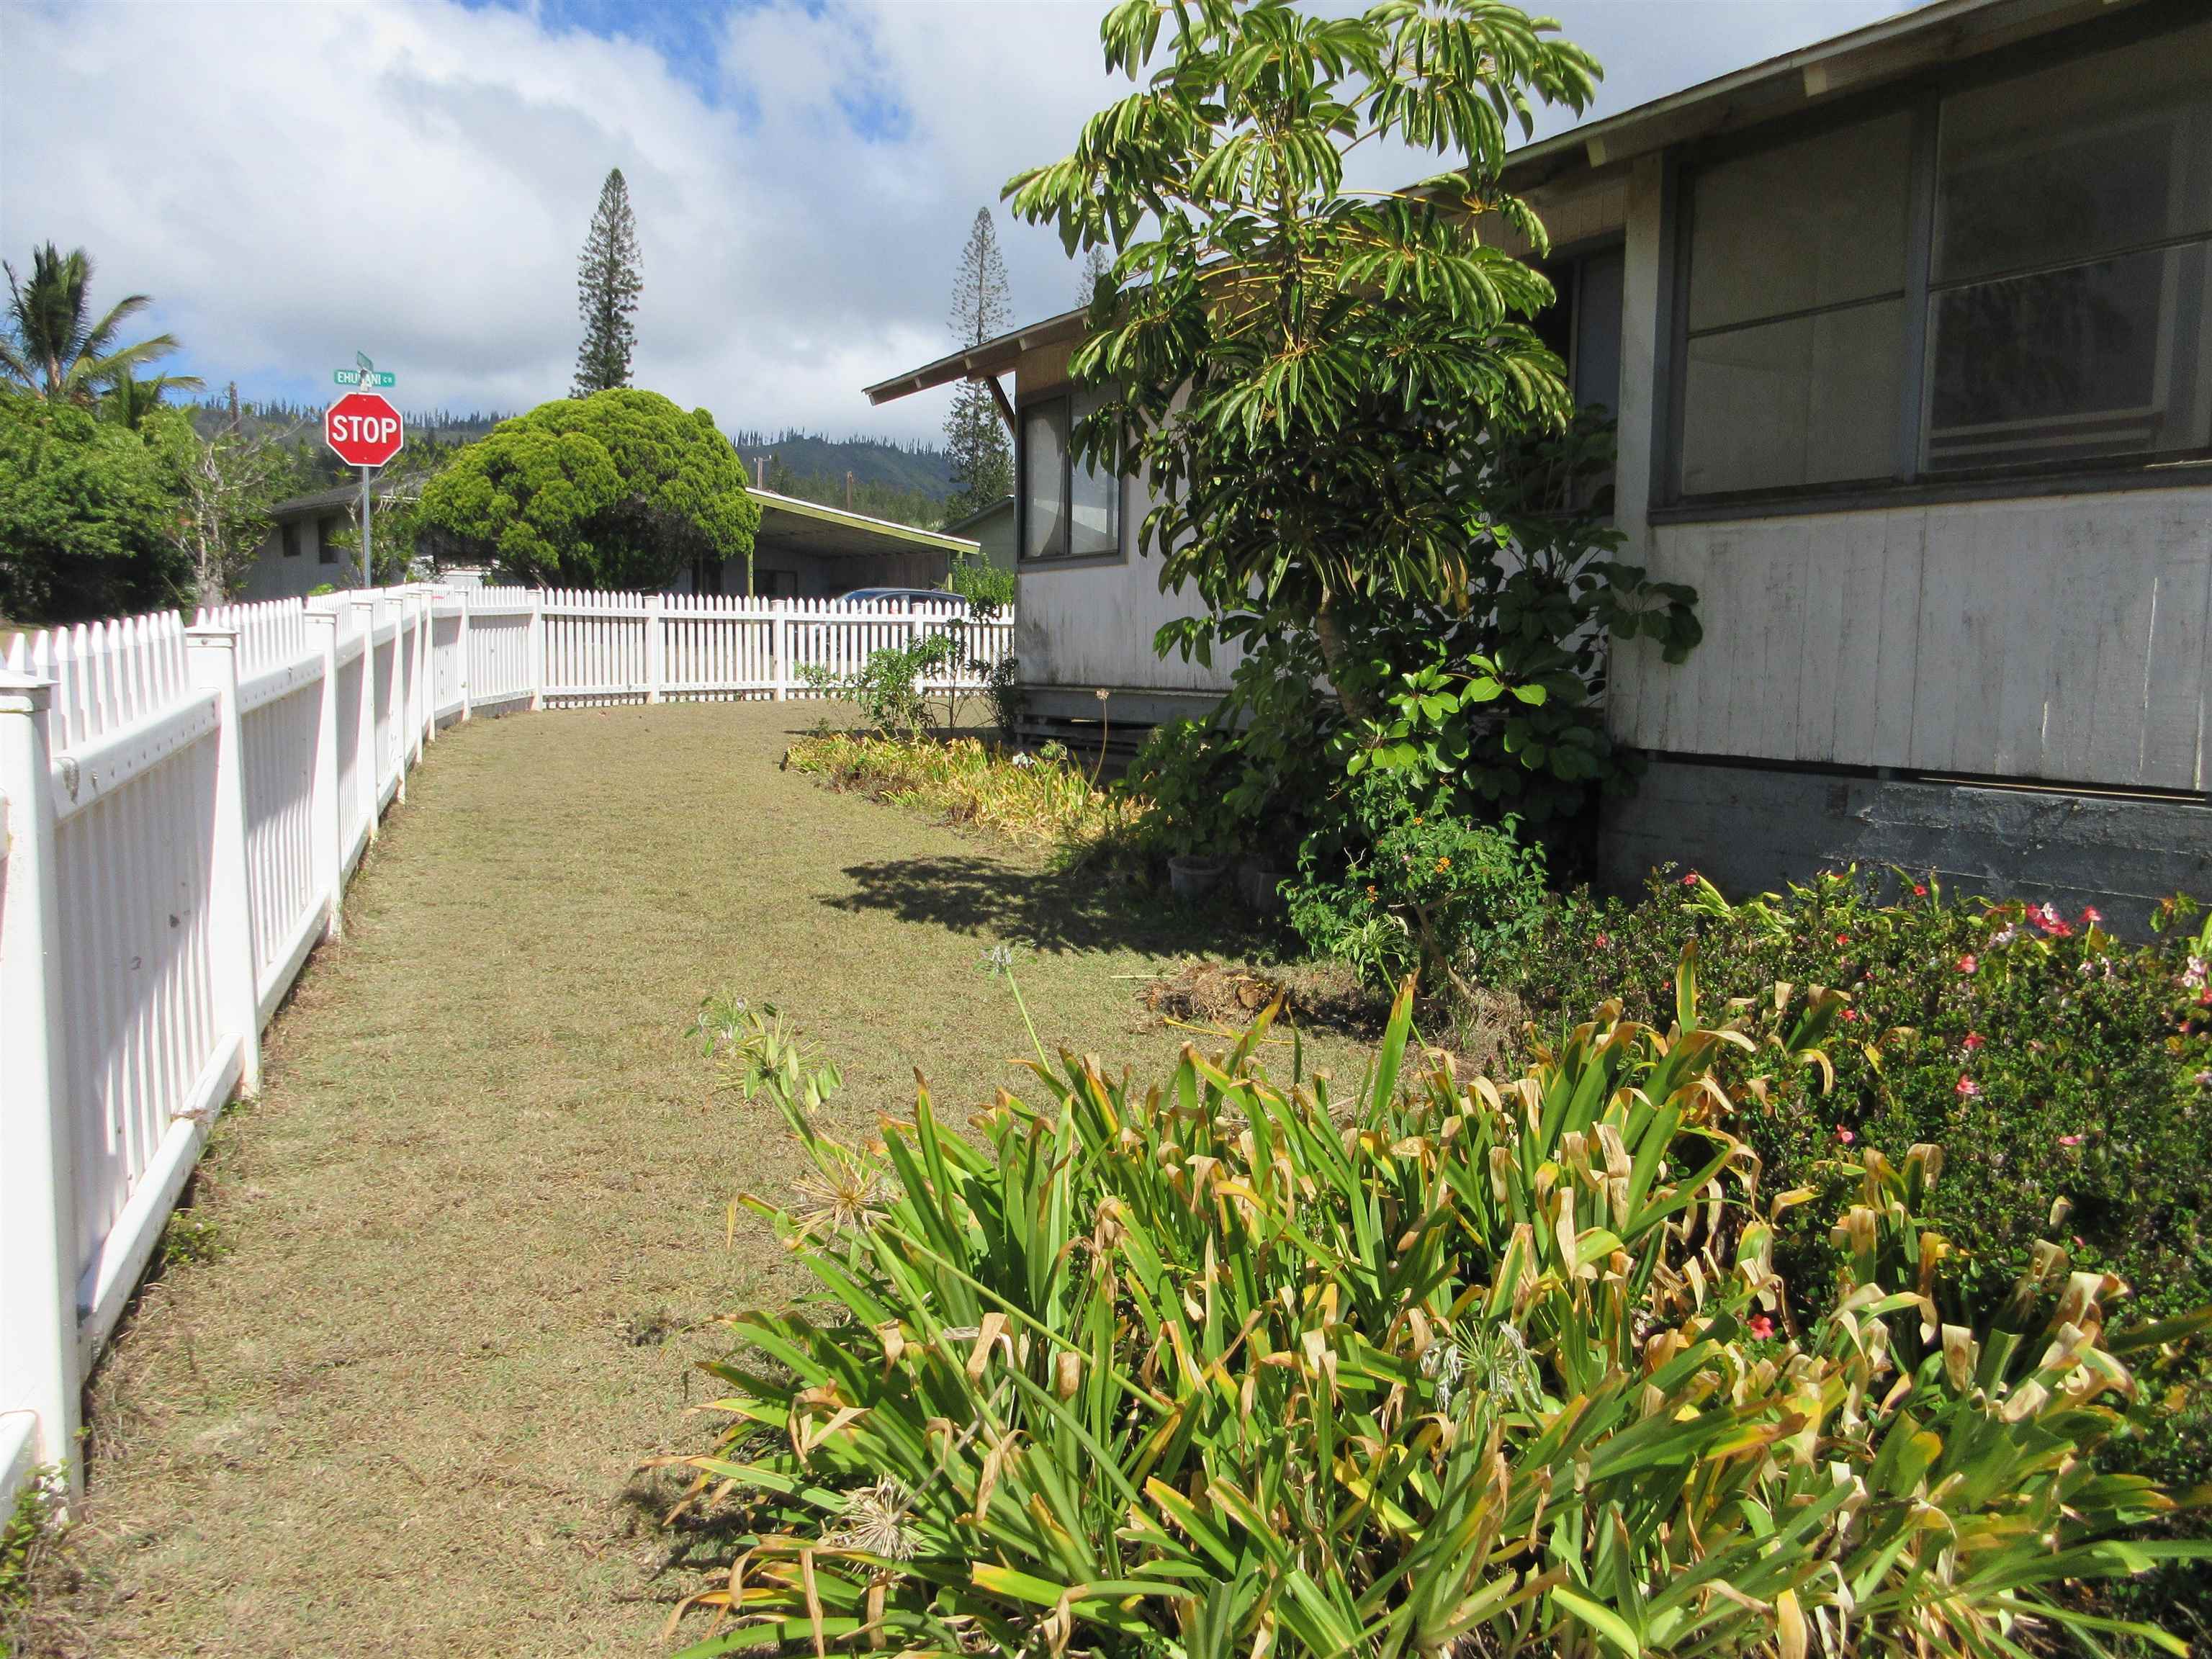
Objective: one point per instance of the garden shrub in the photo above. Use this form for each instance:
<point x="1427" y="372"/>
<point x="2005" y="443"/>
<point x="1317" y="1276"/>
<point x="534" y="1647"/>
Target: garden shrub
<point x="1390" y="886"/>
<point x="2068" y="1073"/>
<point x="887" y="689"/>
<point x="1188" y="770"/>
<point x="1227" y="1366"/>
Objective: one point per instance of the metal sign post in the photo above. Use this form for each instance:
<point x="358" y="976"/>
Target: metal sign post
<point x="365" y="430"/>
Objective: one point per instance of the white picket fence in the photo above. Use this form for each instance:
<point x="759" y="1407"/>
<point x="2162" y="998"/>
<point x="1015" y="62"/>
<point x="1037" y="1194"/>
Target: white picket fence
<point x="181" y="809"/>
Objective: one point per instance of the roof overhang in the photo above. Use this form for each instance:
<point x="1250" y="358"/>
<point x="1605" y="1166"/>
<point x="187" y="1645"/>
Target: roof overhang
<point x="1941" y="31"/>
<point x="1928" y="37"/>
<point x="977" y="362"/>
<point x="810" y="527"/>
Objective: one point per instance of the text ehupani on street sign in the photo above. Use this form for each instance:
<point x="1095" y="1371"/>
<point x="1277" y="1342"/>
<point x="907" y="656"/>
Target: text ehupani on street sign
<point x="375" y="377"/>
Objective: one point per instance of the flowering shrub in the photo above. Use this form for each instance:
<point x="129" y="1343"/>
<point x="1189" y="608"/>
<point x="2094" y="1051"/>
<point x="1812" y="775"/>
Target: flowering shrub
<point x="2069" y="1074"/>
<point x="1440" y="1365"/>
<point x="1390" y="887"/>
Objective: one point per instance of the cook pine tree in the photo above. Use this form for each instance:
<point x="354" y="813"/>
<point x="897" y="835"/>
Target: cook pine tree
<point x="607" y="285"/>
<point x="975" y="439"/>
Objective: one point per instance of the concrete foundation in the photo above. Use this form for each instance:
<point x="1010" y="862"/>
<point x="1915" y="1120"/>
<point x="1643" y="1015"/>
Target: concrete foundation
<point x="1751" y="830"/>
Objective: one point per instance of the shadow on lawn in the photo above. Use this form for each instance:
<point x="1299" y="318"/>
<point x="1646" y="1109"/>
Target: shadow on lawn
<point x="1046" y="909"/>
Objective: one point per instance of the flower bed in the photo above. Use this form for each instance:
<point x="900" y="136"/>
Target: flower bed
<point x="1228" y="1365"/>
<point x="1039" y="800"/>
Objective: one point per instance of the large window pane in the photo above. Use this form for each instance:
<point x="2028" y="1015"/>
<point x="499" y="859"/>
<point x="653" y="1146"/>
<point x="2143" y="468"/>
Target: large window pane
<point x="1045" y="479"/>
<point x="1095" y="514"/>
<point x="2100" y="359"/>
<point x="1814" y="223"/>
<point x="2091" y="157"/>
<point x="1810" y="400"/>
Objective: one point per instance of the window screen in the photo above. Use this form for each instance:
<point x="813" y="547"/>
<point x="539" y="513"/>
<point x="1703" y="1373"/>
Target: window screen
<point x="1044" y="480"/>
<point x="326" y="531"/>
<point x="2067" y="299"/>
<point x="1095" y="504"/>
<point x="1068" y="510"/>
<point x="1797" y="314"/>
<point x="290" y="532"/>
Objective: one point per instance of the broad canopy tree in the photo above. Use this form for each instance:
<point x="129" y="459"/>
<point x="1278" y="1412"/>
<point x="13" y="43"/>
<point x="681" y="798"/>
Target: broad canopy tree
<point x="1316" y="378"/>
<point x="616" y="490"/>
<point x="89" y="513"/>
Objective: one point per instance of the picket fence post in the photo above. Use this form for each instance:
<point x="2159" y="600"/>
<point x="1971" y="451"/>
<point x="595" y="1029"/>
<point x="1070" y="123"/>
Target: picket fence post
<point x="212" y="653"/>
<point x="780" y="649"/>
<point x="536" y="650"/>
<point x="395" y="710"/>
<point x="368" y="765"/>
<point x="38" y="1222"/>
<point x="465" y="647"/>
<point x="324" y="813"/>
<point x="656" y="647"/>
<point x="426" y="674"/>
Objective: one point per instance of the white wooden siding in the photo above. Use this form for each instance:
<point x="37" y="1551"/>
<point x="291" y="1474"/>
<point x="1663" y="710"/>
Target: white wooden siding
<point x="2060" y="639"/>
<point x="1086" y="625"/>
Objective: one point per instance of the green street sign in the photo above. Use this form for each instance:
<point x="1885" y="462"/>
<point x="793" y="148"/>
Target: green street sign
<point x="365" y="377"/>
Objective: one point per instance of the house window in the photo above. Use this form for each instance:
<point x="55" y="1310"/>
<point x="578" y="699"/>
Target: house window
<point x="1068" y="510"/>
<point x="289" y="532"/>
<point x="2067" y="301"/>
<point x="326" y="531"/>
<point x="2005" y="276"/>
<point x="1583" y="324"/>
<point x="1797" y="311"/>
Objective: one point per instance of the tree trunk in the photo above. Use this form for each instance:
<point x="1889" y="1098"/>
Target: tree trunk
<point x="1335" y="656"/>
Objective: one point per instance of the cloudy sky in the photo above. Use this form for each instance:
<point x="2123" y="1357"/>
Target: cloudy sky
<point x="295" y="180"/>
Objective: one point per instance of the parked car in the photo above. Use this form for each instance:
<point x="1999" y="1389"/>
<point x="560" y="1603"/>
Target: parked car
<point x="905" y="595"/>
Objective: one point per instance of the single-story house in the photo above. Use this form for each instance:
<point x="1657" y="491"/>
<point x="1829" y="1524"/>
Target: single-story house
<point x="300" y="553"/>
<point x="992" y="529"/>
<point x="803" y="550"/>
<point x="809" y="552"/>
<point x="1908" y="335"/>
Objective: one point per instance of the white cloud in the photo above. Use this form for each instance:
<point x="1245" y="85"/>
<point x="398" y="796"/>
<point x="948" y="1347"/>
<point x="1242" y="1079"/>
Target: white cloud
<point x="295" y="182"/>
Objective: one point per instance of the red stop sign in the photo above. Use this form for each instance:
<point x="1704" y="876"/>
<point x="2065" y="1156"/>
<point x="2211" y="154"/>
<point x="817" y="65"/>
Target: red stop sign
<point x="363" y="429"/>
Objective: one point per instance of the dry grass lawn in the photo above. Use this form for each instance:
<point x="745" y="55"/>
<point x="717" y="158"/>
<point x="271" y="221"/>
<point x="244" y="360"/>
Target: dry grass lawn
<point x="473" y="1229"/>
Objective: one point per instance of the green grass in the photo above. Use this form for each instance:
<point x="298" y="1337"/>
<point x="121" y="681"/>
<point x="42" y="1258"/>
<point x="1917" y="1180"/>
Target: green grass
<point x="474" y="1227"/>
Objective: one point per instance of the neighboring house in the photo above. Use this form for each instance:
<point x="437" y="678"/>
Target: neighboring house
<point x="803" y="550"/>
<point x="806" y="551"/>
<point x="300" y="553"/>
<point x="1909" y="336"/>
<point x="993" y="528"/>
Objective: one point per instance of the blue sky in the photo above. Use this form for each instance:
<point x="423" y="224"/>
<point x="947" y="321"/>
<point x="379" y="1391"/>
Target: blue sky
<point x="295" y="182"/>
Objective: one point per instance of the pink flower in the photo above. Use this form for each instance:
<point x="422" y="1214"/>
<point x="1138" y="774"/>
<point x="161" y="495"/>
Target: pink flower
<point x="1844" y="1136"/>
<point x="1604" y="942"/>
<point x="2204" y="1079"/>
<point x="1761" y="1329"/>
<point x="1967" y="1087"/>
<point x="2196" y="973"/>
<point x="1690" y="880"/>
<point x="1974" y="1040"/>
<point x="1920" y="889"/>
<point x="2047" y="917"/>
<point x="1851" y="1014"/>
<point x="2091" y="915"/>
<point x="1843" y="939"/>
<point x="1967" y="965"/>
<point x="2069" y="1140"/>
